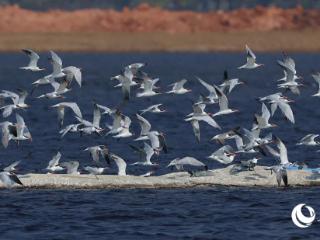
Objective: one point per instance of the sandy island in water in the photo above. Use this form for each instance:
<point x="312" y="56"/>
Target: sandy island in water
<point x="219" y="177"/>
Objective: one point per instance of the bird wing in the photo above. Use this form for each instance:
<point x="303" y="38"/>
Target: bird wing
<point x="283" y="152"/>
<point x="74" y="107"/>
<point x="11" y="166"/>
<point x="121" y="164"/>
<point x="286" y="110"/>
<point x="232" y="84"/>
<point x="20" y="125"/>
<point x="274" y="107"/>
<point x="190" y="161"/>
<point x="179" y="85"/>
<point x="239" y="142"/>
<point x="163" y="143"/>
<point x="75" y="72"/>
<point x="223" y="100"/>
<point x="251" y="57"/>
<point x="22" y="96"/>
<point x="8" y="94"/>
<point x="56" y="63"/>
<point x="154" y="140"/>
<point x="144" y="124"/>
<point x="126" y="122"/>
<point x="209" y="87"/>
<point x="7" y="110"/>
<point x="196" y="129"/>
<point x="54" y="84"/>
<point x="105" y="109"/>
<point x="96" y="116"/>
<point x="66" y="130"/>
<point x="72" y="167"/>
<point x="34" y="57"/>
<point x="208" y="120"/>
<point x="5" y="138"/>
<point x="84" y="122"/>
<point x="272" y="151"/>
<point x="94" y="152"/>
<point x="126" y="87"/>
<point x="265" y="113"/>
<point x="148" y="150"/>
<point x="55" y="160"/>
<point x="15" y="178"/>
<point x="316" y="77"/>
<point x="308" y="137"/>
<point x="62" y="86"/>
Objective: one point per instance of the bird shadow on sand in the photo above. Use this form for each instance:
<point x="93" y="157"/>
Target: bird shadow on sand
<point x="313" y="176"/>
<point x="254" y="177"/>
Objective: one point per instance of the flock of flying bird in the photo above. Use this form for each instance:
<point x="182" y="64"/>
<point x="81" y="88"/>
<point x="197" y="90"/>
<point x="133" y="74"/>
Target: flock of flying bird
<point x="247" y="141"/>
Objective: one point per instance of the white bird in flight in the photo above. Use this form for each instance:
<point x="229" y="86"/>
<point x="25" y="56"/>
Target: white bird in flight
<point x="309" y="140"/>
<point x="223" y="104"/>
<point x="224" y="155"/>
<point x="53" y="165"/>
<point x="33" y="63"/>
<point x="144" y="125"/>
<point x="17" y="99"/>
<point x="146" y="154"/>
<point x="12" y="167"/>
<point x="94" y="170"/>
<point x="316" y="77"/>
<point x="121" y="164"/>
<point x="179" y="163"/>
<point x="59" y="90"/>
<point x="125" y="129"/>
<point x="61" y="110"/>
<point x="213" y="96"/>
<point x="178" y="87"/>
<point x="72" y="167"/>
<point x="251" y="60"/>
<point x="153" y="109"/>
<point x="262" y="121"/>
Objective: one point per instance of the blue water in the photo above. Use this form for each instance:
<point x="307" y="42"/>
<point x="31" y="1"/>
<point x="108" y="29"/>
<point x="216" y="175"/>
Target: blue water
<point x="215" y="213"/>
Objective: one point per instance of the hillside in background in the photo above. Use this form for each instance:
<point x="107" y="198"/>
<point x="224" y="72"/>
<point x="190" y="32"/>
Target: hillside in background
<point x="147" y="27"/>
<point x="145" y="18"/>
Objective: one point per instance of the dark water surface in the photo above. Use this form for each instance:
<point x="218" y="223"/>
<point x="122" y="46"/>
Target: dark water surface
<point x="216" y="213"/>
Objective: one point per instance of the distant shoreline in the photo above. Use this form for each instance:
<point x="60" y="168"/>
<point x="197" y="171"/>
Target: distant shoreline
<point x="273" y="41"/>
